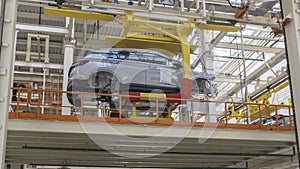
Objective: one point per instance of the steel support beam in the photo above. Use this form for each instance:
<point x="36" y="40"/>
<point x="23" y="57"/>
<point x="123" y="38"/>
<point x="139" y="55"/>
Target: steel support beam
<point x="39" y="126"/>
<point x="28" y="51"/>
<point x="292" y="35"/>
<point x="183" y="14"/>
<point x="2" y="13"/>
<point x="256" y="74"/>
<point x="39" y="65"/>
<point x="77" y="14"/>
<point x="6" y="69"/>
<point x="254" y="37"/>
<point x="39" y="28"/>
<point x="224" y="28"/>
<point x="36" y="77"/>
<point x="68" y="60"/>
<point x="249" y="47"/>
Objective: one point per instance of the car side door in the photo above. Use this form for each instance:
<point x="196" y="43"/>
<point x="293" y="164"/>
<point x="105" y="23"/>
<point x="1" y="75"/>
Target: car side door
<point x="160" y="72"/>
<point x="129" y="68"/>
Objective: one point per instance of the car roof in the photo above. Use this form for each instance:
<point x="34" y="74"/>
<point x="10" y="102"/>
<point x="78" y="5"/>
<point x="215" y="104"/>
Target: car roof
<point x="133" y="50"/>
<point x="196" y="74"/>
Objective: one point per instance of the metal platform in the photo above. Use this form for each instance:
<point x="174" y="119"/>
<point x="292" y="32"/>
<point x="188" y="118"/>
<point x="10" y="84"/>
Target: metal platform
<point x="77" y="144"/>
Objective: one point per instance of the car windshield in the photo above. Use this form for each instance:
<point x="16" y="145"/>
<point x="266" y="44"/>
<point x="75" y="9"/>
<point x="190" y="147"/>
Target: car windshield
<point x="139" y="56"/>
<point x="152" y="58"/>
<point x="94" y="54"/>
<point x="133" y="56"/>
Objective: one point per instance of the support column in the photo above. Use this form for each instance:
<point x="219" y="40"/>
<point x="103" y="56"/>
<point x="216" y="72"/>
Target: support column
<point x="208" y="66"/>
<point x="68" y="60"/>
<point x="185" y="49"/>
<point x="291" y="9"/>
<point x="210" y="107"/>
<point x="245" y="79"/>
<point x="45" y="72"/>
<point x="6" y="68"/>
<point x="151" y="4"/>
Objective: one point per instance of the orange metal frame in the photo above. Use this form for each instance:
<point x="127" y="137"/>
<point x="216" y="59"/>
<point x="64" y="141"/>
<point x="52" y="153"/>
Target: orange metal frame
<point x="157" y="120"/>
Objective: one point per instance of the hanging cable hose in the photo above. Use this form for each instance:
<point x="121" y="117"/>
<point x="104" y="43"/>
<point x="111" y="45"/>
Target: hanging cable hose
<point x="245" y="5"/>
<point x="232" y="6"/>
<point x="242" y="9"/>
<point x="240" y="73"/>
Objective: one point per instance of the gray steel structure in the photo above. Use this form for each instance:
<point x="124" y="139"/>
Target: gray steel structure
<point x="291" y="10"/>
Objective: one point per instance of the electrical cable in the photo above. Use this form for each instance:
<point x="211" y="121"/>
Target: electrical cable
<point x="246" y="5"/>
<point x="232" y="6"/>
<point x="240" y="73"/>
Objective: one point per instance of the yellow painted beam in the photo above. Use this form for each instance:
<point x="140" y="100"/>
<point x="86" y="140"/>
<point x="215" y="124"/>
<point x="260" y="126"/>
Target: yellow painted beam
<point x="222" y="28"/>
<point x="254" y="109"/>
<point x="78" y="14"/>
<point x="185" y="49"/>
<point x="167" y="47"/>
<point x="148" y="30"/>
<point x="151" y="96"/>
<point x="149" y="37"/>
<point x="134" y="106"/>
<point x="163" y="25"/>
<point x="126" y="25"/>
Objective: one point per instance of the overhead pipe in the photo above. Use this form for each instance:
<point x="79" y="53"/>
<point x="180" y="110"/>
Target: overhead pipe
<point x="44" y="88"/>
<point x="35" y="39"/>
<point x="231" y="57"/>
<point x="245" y="78"/>
<point x="254" y="37"/>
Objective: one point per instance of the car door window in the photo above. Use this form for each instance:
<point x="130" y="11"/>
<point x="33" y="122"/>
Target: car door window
<point x="147" y="58"/>
<point x="133" y="57"/>
<point x="152" y="58"/>
<point x="116" y="56"/>
<point x="160" y="60"/>
<point x="96" y="56"/>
